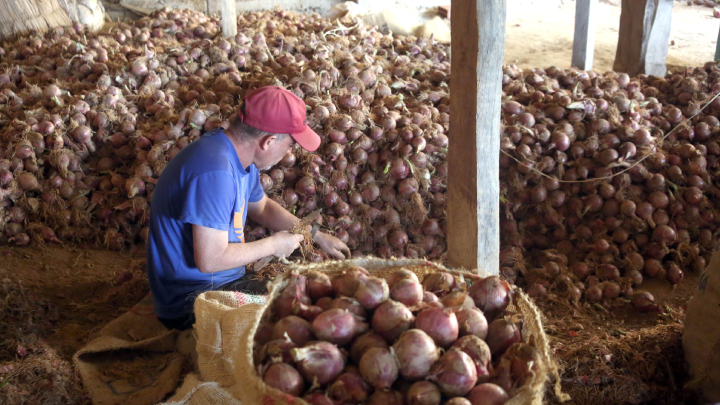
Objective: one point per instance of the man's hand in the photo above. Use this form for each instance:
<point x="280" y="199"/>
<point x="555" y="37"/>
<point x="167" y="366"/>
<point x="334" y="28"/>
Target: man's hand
<point x="285" y="243"/>
<point x="332" y="246"/>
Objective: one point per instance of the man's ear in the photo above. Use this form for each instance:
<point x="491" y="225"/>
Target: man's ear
<point x="267" y="141"/>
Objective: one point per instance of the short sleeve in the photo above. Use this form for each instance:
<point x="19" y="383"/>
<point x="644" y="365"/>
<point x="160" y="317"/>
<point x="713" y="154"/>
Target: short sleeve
<point x="256" y="192"/>
<point x="209" y="200"/>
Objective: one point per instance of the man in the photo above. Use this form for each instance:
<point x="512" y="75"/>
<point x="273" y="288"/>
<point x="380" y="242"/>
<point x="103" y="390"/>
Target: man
<point x="205" y="194"/>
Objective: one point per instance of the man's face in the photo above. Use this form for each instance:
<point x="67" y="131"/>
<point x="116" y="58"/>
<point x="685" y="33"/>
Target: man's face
<point x="269" y="157"/>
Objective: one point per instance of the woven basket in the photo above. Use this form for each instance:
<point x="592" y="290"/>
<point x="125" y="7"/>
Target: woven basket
<point x="250" y="389"/>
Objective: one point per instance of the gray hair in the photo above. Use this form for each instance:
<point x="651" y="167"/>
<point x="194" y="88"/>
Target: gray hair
<point x="247" y="132"/>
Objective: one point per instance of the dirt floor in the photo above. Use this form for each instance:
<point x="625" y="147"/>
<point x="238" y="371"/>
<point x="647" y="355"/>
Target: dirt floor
<point x="52" y="300"/>
<point x="540" y="34"/>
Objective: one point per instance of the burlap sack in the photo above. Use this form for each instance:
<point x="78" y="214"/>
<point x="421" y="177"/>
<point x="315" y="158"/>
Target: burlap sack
<point x="701" y="338"/>
<point x="132" y="361"/>
<point x="242" y="323"/>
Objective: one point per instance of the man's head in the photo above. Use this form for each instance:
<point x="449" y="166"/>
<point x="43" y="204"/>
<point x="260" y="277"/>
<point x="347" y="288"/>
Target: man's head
<point x="272" y="119"/>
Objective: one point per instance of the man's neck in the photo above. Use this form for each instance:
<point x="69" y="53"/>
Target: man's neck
<point x="245" y="152"/>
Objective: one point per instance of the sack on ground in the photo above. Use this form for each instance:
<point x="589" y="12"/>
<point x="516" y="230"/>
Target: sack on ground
<point x="701" y="338"/>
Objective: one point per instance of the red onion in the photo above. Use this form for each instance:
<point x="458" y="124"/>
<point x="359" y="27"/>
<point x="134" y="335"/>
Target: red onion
<point x="318" y="285"/>
<point x="391" y="319"/>
<point x="471" y="321"/>
<point x="440" y="324"/>
<point x="349" y="388"/>
<point x="385" y="397"/>
<point x="407" y="291"/>
<point x="502" y="333"/>
<point x="296" y="328"/>
<point x="338" y="326"/>
<point x="480" y="354"/>
<point x="424" y="393"/>
<point x="320" y="362"/>
<point x="416" y="353"/>
<point x="364" y="343"/>
<point x="351" y="305"/>
<point x="372" y="292"/>
<point x="379" y="368"/>
<point x="488" y="394"/>
<point x="347" y="283"/>
<point x="491" y="295"/>
<point x="439" y="283"/>
<point x="454" y="373"/>
<point x="285" y="378"/>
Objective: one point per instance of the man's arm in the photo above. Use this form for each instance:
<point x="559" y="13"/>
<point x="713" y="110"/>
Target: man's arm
<point x="214" y="253"/>
<point x="270" y="214"/>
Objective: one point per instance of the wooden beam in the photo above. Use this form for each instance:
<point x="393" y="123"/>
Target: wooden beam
<point x="584" y="40"/>
<point x="644" y="36"/>
<point x="229" y="18"/>
<point x="478" y="38"/>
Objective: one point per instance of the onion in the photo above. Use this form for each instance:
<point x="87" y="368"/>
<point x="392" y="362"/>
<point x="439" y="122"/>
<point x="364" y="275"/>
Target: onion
<point x="318" y="285"/>
<point x="372" y="292"/>
<point x="454" y="373"/>
<point x="347" y="283"/>
<point x="502" y="333"/>
<point x="416" y="353"/>
<point x="285" y="378"/>
<point x="439" y="283"/>
<point x="471" y="321"/>
<point x="424" y="393"/>
<point x="379" y="368"/>
<point x="643" y="301"/>
<point x="320" y="362"/>
<point x="391" y="319"/>
<point x="440" y="324"/>
<point x="364" y="343"/>
<point x="351" y="305"/>
<point x="480" y="354"/>
<point x="385" y="397"/>
<point x="296" y="328"/>
<point x="349" y="387"/>
<point x="491" y="295"/>
<point x="488" y="394"/>
<point x="407" y="291"/>
<point x="338" y="326"/>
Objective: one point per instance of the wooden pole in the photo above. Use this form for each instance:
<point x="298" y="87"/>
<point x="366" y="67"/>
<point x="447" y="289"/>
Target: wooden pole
<point x="478" y="38"/>
<point x="229" y="18"/>
<point x="644" y="35"/>
<point x="584" y="40"/>
<point x="717" y="48"/>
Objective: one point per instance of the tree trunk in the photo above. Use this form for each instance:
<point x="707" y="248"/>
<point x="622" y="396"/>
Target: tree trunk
<point x="20" y="16"/>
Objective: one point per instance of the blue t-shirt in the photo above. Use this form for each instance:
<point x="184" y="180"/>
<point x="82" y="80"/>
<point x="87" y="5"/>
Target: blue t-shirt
<point x="205" y="184"/>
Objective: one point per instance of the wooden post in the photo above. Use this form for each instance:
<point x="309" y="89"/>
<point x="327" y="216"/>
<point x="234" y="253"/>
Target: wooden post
<point x="478" y="38"/>
<point x="644" y="35"/>
<point x="584" y="40"/>
<point x="717" y="48"/>
<point x="229" y="18"/>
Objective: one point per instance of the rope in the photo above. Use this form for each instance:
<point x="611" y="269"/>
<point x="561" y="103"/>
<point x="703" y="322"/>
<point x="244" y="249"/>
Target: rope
<point x="654" y="147"/>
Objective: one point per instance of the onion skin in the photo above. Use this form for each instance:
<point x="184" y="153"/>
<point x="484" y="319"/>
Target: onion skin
<point x="416" y="353"/>
<point x="480" y="354"/>
<point x="440" y="324"/>
<point x="364" y="343"/>
<point x="321" y="362"/>
<point x="338" y="326"/>
<point x="379" y="368"/>
<point x="502" y="333"/>
<point x="424" y="393"/>
<point x="391" y="319"/>
<point x="408" y="292"/>
<point x="488" y="394"/>
<point x="471" y="321"/>
<point x="296" y="328"/>
<point x="491" y="295"/>
<point x="372" y="292"/>
<point x="285" y="378"/>
<point x="454" y="373"/>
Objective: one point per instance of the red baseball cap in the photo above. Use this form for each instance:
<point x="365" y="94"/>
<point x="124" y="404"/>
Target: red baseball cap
<point x="276" y="110"/>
